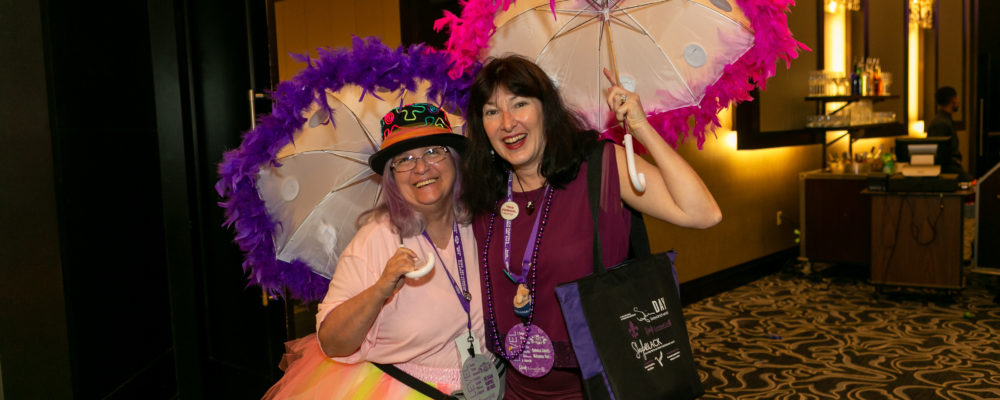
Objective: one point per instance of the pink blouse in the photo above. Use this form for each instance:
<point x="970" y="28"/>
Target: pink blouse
<point x="416" y="328"/>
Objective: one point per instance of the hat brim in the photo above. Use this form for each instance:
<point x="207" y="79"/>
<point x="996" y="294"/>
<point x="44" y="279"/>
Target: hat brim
<point x="445" y="138"/>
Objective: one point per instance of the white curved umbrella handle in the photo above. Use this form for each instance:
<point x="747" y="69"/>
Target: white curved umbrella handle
<point x="423" y="270"/>
<point x="638" y="180"/>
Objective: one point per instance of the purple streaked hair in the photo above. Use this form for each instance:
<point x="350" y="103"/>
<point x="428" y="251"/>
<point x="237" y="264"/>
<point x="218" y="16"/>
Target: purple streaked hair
<point x="410" y="222"/>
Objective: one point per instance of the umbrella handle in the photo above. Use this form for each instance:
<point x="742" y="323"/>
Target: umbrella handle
<point x="638" y="180"/>
<point x="423" y="270"/>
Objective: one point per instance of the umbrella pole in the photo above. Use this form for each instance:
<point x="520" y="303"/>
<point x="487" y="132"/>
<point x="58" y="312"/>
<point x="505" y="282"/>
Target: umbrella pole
<point x="638" y="180"/>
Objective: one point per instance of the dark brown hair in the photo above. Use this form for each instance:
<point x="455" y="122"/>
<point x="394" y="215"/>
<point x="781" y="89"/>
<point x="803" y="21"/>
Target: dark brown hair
<point x="567" y="143"/>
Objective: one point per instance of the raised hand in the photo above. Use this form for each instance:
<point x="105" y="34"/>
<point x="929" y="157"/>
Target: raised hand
<point x="393" y="276"/>
<point x="626" y="105"/>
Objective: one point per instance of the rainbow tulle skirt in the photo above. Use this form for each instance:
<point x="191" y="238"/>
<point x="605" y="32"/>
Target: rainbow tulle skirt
<point x="309" y="374"/>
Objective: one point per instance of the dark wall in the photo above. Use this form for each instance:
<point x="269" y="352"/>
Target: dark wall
<point x="242" y="339"/>
<point x="417" y="20"/>
<point x="989" y="48"/>
<point x="117" y="280"/>
<point x="33" y="342"/>
<point x="986" y="104"/>
<point x="206" y="56"/>
<point x="105" y="165"/>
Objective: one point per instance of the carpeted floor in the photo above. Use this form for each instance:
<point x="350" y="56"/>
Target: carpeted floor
<point x="831" y="335"/>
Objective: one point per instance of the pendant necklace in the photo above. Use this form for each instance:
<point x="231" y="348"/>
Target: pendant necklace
<point x="522" y="297"/>
<point x="530" y="207"/>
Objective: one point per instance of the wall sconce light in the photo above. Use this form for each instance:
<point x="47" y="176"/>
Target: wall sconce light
<point x="831" y="5"/>
<point x="922" y="13"/>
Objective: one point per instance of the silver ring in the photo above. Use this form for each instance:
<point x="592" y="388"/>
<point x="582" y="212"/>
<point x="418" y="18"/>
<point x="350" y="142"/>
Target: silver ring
<point x="623" y="98"/>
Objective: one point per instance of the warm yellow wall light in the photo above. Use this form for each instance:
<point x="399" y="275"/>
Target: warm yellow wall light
<point x="725" y="131"/>
<point x="913" y="81"/>
<point x="725" y="116"/>
<point x="729" y="138"/>
<point x="835" y="45"/>
<point x="835" y="40"/>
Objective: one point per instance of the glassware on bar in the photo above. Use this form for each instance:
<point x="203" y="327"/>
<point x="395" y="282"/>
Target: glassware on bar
<point x="827" y="83"/>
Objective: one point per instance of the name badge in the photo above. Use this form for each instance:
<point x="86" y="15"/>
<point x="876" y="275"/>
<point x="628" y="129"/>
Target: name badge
<point x="538" y="355"/>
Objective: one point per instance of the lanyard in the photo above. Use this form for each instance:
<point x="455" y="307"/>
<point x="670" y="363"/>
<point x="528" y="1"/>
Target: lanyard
<point x="526" y="259"/>
<point x="462" y="292"/>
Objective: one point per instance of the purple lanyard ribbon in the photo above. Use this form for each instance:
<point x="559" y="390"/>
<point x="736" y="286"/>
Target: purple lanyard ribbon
<point x="526" y="260"/>
<point x="462" y="291"/>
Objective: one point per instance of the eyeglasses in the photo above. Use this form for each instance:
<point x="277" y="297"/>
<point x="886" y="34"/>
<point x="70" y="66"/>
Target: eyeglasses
<point x="433" y="155"/>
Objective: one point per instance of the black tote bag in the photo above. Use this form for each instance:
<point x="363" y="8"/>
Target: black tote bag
<point x="625" y="323"/>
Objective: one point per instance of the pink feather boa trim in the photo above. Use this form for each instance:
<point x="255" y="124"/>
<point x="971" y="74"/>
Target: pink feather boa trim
<point x="470" y="37"/>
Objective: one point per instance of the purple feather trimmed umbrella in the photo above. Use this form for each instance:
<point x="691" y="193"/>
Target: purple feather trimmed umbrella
<point x="322" y="182"/>
<point x="276" y="150"/>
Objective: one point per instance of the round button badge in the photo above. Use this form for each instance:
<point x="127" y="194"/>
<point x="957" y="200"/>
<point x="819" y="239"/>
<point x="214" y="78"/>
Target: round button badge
<point x="509" y="210"/>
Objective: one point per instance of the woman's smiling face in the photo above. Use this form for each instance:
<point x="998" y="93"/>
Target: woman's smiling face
<point x="515" y="128"/>
<point x="428" y="186"/>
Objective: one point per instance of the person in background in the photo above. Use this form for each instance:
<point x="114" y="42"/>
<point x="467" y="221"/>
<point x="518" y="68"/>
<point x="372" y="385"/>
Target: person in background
<point x="943" y="125"/>
<point x="372" y="312"/>
<point x="526" y="168"/>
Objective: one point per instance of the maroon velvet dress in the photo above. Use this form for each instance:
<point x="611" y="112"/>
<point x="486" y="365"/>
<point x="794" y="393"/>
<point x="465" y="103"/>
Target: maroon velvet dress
<point x="565" y="255"/>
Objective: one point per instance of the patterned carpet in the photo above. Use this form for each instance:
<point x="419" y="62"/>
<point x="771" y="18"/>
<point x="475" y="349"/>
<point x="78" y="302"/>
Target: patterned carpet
<point x="831" y="335"/>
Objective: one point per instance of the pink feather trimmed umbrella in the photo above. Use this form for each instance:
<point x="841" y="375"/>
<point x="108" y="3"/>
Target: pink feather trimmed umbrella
<point x="322" y="181"/>
<point x="703" y="54"/>
<point x="667" y="51"/>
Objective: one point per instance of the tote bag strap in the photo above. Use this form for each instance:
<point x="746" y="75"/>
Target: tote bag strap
<point x="411" y="381"/>
<point x="595" y="164"/>
<point x="638" y="239"/>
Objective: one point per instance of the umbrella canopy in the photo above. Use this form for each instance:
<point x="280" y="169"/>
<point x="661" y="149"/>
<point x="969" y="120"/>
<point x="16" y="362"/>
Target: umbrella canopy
<point x="279" y="186"/>
<point x="667" y="51"/>
<point x="471" y="36"/>
<point x="323" y="182"/>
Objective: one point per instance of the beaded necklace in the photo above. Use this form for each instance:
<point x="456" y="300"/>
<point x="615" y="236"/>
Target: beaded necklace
<point x="531" y="288"/>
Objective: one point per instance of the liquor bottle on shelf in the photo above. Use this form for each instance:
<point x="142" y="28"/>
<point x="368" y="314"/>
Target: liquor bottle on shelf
<point x="877" y="78"/>
<point x="863" y="84"/>
<point x="856" y="79"/>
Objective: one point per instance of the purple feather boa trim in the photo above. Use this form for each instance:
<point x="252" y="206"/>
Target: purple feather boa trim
<point x="772" y="41"/>
<point x="370" y="65"/>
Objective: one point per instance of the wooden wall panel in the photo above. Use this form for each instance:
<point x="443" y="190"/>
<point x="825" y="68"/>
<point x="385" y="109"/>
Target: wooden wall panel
<point x="782" y="106"/>
<point x="290" y="26"/>
<point x="379" y="18"/>
<point x="951" y="66"/>
<point x="950" y="45"/>
<point x="304" y="25"/>
<point x="886" y="41"/>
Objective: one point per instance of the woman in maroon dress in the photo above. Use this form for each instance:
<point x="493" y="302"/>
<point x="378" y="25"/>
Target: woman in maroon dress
<point x="526" y="183"/>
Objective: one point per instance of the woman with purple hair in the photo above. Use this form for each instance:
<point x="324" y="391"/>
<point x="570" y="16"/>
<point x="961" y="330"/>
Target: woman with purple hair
<point x="385" y="330"/>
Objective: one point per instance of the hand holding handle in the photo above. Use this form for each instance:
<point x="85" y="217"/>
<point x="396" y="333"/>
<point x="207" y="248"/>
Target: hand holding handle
<point x="422" y="270"/>
<point x="621" y="111"/>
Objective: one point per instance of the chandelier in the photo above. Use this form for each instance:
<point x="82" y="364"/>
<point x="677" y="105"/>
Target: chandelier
<point x="922" y="13"/>
<point x="831" y="5"/>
